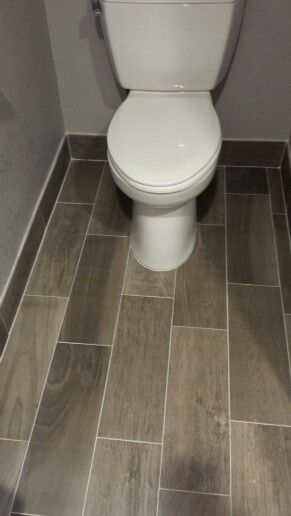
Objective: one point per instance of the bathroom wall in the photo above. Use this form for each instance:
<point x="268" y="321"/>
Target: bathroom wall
<point x="31" y="124"/>
<point x="89" y="93"/>
<point x="254" y="102"/>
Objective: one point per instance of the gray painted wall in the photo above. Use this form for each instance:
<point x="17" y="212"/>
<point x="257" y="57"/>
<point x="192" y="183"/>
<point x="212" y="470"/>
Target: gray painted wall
<point x="88" y="91"/>
<point x="254" y="102"/>
<point x="31" y="123"/>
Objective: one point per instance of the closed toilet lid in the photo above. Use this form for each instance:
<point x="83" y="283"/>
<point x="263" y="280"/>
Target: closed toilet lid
<point x="163" y="139"/>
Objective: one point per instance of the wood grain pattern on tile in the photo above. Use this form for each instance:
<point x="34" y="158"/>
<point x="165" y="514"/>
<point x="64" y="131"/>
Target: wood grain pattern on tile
<point x="56" y="469"/>
<point x="25" y="363"/>
<point x="211" y="203"/>
<point x="124" y="479"/>
<point x="261" y="470"/>
<point x="87" y="146"/>
<point x="135" y="393"/>
<point x="250" y="240"/>
<point x="94" y="301"/>
<point x="284" y="259"/>
<point x="174" y="503"/>
<point x="246" y="180"/>
<point x="144" y="282"/>
<point x="112" y="210"/>
<point x="259" y="372"/>
<point x="200" y="290"/>
<point x="275" y="188"/>
<point x="56" y="263"/>
<point x="81" y="182"/>
<point x="11" y="459"/>
<point x="196" y="438"/>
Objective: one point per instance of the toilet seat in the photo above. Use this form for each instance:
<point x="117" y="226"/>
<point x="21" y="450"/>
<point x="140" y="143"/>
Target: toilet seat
<point x="164" y="142"/>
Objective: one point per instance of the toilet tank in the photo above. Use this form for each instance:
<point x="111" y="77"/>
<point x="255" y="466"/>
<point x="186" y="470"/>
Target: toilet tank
<point x="168" y="45"/>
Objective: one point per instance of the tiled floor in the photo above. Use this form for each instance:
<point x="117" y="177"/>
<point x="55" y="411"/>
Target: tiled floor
<point x="126" y="392"/>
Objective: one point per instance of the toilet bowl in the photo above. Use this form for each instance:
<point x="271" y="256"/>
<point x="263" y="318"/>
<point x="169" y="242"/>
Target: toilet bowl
<point x="163" y="150"/>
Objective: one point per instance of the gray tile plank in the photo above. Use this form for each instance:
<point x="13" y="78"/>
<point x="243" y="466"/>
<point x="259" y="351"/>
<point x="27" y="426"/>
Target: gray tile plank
<point x="81" y="182"/>
<point x="56" y="469"/>
<point x="135" y="394"/>
<point x="55" y="267"/>
<point x="144" y="282"/>
<point x="259" y="373"/>
<point x="275" y="188"/>
<point x="18" y="281"/>
<point x="174" y="503"/>
<point x="261" y="470"/>
<point x="200" y="290"/>
<point x="196" y="438"/>
<point x="88" y="146"/>
<point x="124" y="480"/>
<point x="246" y="180"/>
<point x="211" y="203"/>
<point x="250" y="240"/>
<point x="11" y="459"/>
<point x="94" y="301"/>
<point x="25" y="363"/>
<point x="112" y="210"/>
<point x="284" y="259"/>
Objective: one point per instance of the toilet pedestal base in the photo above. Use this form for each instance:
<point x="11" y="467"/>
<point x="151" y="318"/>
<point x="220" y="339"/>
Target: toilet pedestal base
<point x="163" y="238"/>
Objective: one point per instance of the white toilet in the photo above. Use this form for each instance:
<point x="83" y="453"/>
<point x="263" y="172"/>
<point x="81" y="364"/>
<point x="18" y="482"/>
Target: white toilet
<point x="164" y="140"/>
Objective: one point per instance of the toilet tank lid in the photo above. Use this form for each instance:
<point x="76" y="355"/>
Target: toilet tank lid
<point x="183" y="2"/>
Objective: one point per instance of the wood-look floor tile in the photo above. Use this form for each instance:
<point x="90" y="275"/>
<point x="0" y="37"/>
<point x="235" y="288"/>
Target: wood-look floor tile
<point x="250" y="240"/>
<point x="174" y="503"/>
<point x="112" y="210"/>
<point x="251" y="153"/>
<point x="94" y="301"/>
<point x="259" y="372"/>
<point x="275" y="187"/>
<point x="200" y="289"/>
<point x="196" y="438"/>
<point x="211" y="203"/>
<point x="81" y="183"/>
<point x="124" y="479"/>
<point x="135" y="394"/>
<point x="288" y="328"/>
<point x="56" y="263"/>
<point x="11" y="458"/>
<point x="142" y="281"/>
<point x="87" y="146"/>
<point x="261" y="470"/>
<point x="284" y="259"/>
<point x="246" y="180"/>
<point x="25" y="363"/>
<point x="56" y="468"/>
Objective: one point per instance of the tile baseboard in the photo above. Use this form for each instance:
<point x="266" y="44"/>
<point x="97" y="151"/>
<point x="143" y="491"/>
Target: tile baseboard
<point x="252" y="153"/>
<point x="20" y="274"/>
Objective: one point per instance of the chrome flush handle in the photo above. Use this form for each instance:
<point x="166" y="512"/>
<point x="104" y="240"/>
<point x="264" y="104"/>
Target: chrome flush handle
<point x="96" y="7"/>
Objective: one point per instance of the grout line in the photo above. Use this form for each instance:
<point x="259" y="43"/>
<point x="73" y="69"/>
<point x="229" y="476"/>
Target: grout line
<point x="253" y="285"/>
<point x="199" y="328"/>
<point x="285" y="147"/>
<point x="45" y="295"/>
<point x="13" y="440"/>
<point x="248" y="194"/>
<point x="27" y="514"/>
<point x="77" y="203"/>
<point x="280" y="285"/>
<point x="128" y="440"/>
<point x="209" y="224"/>
<point x="67" y="136"/>
<point x="247" y="166"/>
<point x="102" y="235"/>
<point x="285" y="207"/>
<point x="259" y="423"/>
<point x="55" y="346"/>
<point x="146" y="295"/>
<point x="228" y="350"/>
<point x="105" y="385"/>
<point x="89" y="159"/>
<point x="84" y="343"/>
<point x="166" y="392"/>
<point x="193" y="492"/>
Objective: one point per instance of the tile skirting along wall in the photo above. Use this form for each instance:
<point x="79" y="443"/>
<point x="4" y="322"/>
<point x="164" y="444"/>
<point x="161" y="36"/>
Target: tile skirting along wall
<point x="234" y="153"/>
